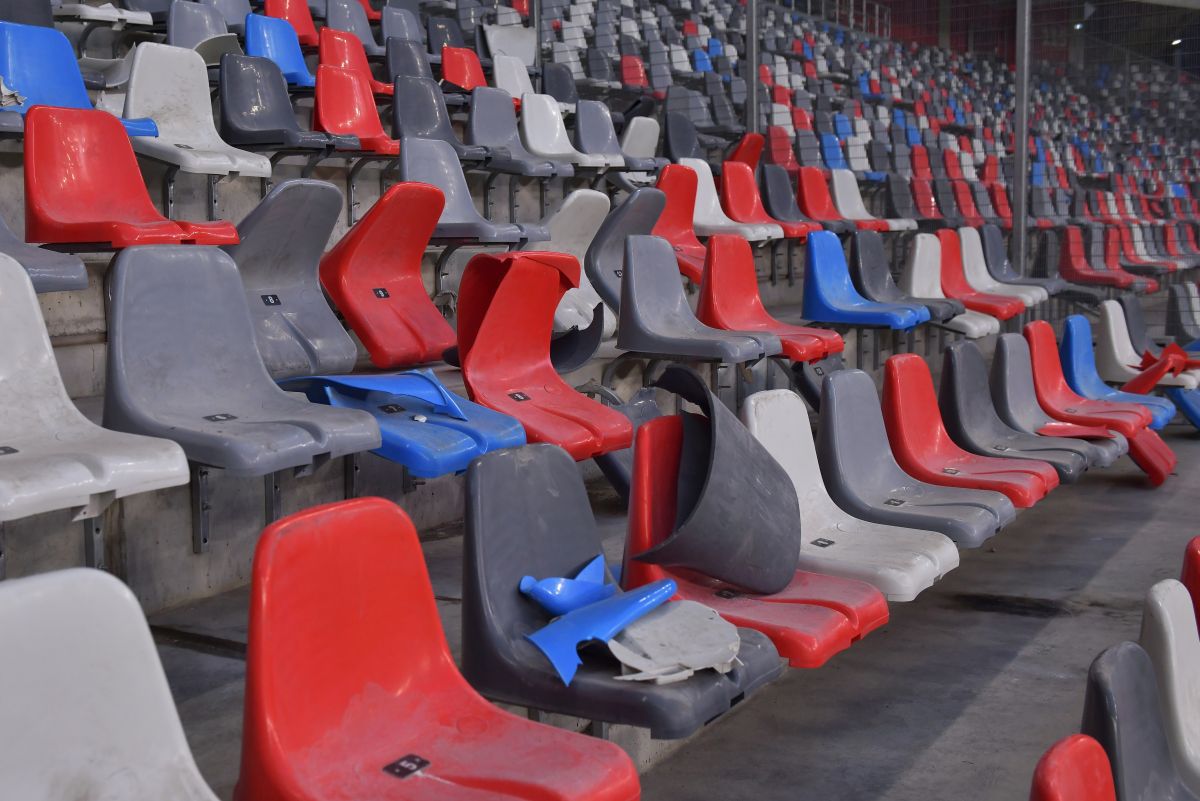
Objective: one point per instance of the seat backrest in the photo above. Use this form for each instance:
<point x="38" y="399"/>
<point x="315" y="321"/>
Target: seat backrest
<point x="324" y="581"/>
<point x="89" y="152"/>
<point x="1073" y="769"/>
<point x="39" y="64"/>
<point x="559" y="83"/>
<point x="652" y="297"/>
<point x="493" y="122"/>
<point x="170" y="84"/>
<point x="233" y="11"/>
<point x="869" y="268"/>
<point x="573" y="224"/>
<point x="852" y="443"/>
<point x="276" y="39"/>
<point x="405" y="56"/>
<point x="778" y="419"/>
<point x="826" y="276"/>
<point x="675" y="222"/>
<point x="681" y="140"/>
<point x="345" y="105"/>
<point x="341" y="49"/>
<point x="401" y="23"/>
<point x="1135" y="324"/>
<point x="995" y="253"/>
<point x="434" y="162"/>
<point x="543" y="129"/>
<point x="653" y="498"/>
<point x="639" y="138"/>
<point x="350" y="16"/>
<point x="189" y="24"/>
<point x="971" y="252"/>
<point x="848" y="199"/>
<point x="1013" y="392"/>
<point x="1169" y="635"/>
<point x="708" y="203"/>
<point x="813" y="196"/>
<point x="282" y="241"/>
<point x="604" y="261"/>
<point x="461" y="68"/>
<point x="255" y="106"/>
<point x="779" y="193"/>
<point x="1079" y="360"/>
<point x="419" y="111"/>
<point x="105" y="732"/>
<point x="297" y="15"/>
<point x="509" y="73"/>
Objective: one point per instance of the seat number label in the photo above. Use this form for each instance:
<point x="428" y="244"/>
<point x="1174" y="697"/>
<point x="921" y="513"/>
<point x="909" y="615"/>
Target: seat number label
<point x="7" y="450"/>
<point x="518" y="396"/>
<point x="381" y="293"/>
<point x="950" y="471"/>
<point x="391" y="408"/>
<point x="271" y="300"/>
<point x="894" y="502"/>
<point x="821" y="542"/>
<point x="220" y="418"/>
<point x="406" y="766"/>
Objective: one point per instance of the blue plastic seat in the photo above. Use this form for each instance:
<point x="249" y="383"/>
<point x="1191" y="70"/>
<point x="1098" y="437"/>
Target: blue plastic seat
<point x="831" y="151"/>
<point x="841" y="127"/>
<point x="700" y="61"/>
<point x="830" y="297"/>
<point x="268" y="37"/>
<point x="426" y="428"/>
<point x="1079" y="367"/>
<point x="39" y="65"/>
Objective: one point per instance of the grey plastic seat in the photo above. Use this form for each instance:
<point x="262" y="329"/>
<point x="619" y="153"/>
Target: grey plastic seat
<point x="779" y="194"/>
<point x="401" y="23"/>
<point x="434" y="162"/>
<point x="183" y="364"/>
<point x="49" y="271"/>
<point x="349" y="16"/>
<point x="863" y="478"/>
<point x="493" y="124"/>
<point x="200" y="27"/>
<point x="965" y="400"/>
<point x="655" y="316"/>
<point x="1121" y="711"/>
<point x="419" y="112"/>
<point x="998" y="264"/>
<point x="871" y="276"/>
<point x="1015" y="401"/>
<point x="528" y="514"/>
<point x="233" y="12"/>
<point x="51" y="456"/>
<point x="405" y="56"/>
<point x="256" y="112"/>
<point x="594" y="134"/>
<point x="281" y="245"/>
<point x="1182" y="322"/>
<point x="605" y="259"/>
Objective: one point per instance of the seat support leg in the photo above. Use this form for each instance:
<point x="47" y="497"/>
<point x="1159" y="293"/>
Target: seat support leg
<point x="169" y="191"/>
<point x="438" y="273"/>
<point x="272" y="496"/>
<point x="488" y="183"/>
<point x="212" y="196"/>
<point x="200" y="508"/>
<point x="351" y="177"/>
<point x="93" y="542"/>
<point x="351" y="468"/>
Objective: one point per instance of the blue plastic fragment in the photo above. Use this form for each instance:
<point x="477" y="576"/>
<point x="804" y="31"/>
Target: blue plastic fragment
<point x="558" y="596"/>
<point x="1188" y="402"/>
<point x="561" y="638"/>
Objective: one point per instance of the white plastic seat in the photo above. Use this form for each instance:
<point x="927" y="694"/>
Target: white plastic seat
<point x="514" y="41"/>
<point x="900" y="562"/>
<point x="572" y="228"/>
<point x="639" y="139"/>
<point x="545" y="134"/>
<point x="51" y="456"/>
<point x="87" y="710"/>
<point x="709" y="218"/>
<point x="849" y="202"/>
<point x="1170" y="637"/>
<point x="105" y="13"/>
<point x="509" y="73"/>
<point x="1116" y="358"/>
<point x="922" y="278"/>
<point x="170" y="85"/>
<point x="977" y="275"/>
<point x="680" y="63"/>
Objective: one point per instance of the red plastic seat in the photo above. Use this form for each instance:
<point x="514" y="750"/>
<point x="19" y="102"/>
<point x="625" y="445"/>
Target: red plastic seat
<point x="461" y="67"/>
<point x="923" y="197"/>
<point x="675" y="225"/>
<point x="297" y="14"/>
<point x="1191" y="573"/>
<point x="83" y="186"/>
<point x="742" y="202"/>
<point x="729" y="300"/>
<point x="1146" y="448"/>
<point x="373" y="277"/>
<point x="1073" y="265"/>
<point x="923" y="447"/>
<point x="952" y="164"/>
<point x="815" y="617"/>
<point x="345" y="50"/>
<point x="1112" y="260"/>
<point x="748" y="150"/>
<point x="1074" y="769"/>
<point x="1131" y="256"/>
<point x="817" y="204"/>
<point x="344" y="105"/>
<point x="1000" y="203"/>
<point x="350" y="683"/>
<point x="506" y="306"/>
<point x="781" y="150"/>
<point x="966" y="203"/>
<point x="919" y="159"/>
<point x="633" y="73"/>
<point x="373" y="14"/>
<point x="954" y="282"/>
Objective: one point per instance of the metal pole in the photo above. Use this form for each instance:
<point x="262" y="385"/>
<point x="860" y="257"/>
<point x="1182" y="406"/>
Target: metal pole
<point x="752" y="79"/>
<point x="535" y="19"/>
<point x="1021" y="134"/>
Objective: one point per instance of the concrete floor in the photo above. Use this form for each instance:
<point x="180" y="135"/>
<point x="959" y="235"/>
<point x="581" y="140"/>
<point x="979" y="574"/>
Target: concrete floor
<point x="957" y="697"/>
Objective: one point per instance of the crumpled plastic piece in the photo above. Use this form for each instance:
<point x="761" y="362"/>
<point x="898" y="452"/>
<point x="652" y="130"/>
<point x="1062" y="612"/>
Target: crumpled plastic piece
<point x="1173" y="360"/>
<point x="674" y="641"/>
<point x="10" y="96"/>
<point x="558" y="596"/>
<point x="560" y="639"/>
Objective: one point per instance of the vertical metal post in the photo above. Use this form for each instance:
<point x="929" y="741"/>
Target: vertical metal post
<point x="752" y="80"/>
<point x="850" y="21"/>
<point x="200" y="508"/>
<point x="1020" y="199"/>
<point x="535" y="19"/>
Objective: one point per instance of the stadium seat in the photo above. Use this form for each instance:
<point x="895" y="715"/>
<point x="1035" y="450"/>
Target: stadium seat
<point x="117" y="712"/>
<point x="297" y="15"/>
<point x="677" y="184"/>
<point x="190" y="371"/>
<point x="604" y="261"/>
<point x="51" y="456"/>
<point x="922" y="278"/>
<point x="275" y="39"/>
<point x="1138" y="332"/>
<point x="425" y="725"/>
<point x="817" y="204"/>
<point x="708" y="218"/>
<point x="899" y="562"/>
<point x="741" y="200"/>
<point x="955" y="283"/>
<point x="373" y="277"/>
<point x="849" y="204"/>
<point x="351" y="17"/>
<point x="1073" y="769"/>
<point x="200" y="27"/>
<point x="545" y="134"/>
<point x="923" y="448"/>
<point x="505" y="319"/>
<point x="655" y="317"/>
<point x="1183" y="323"/>
<point x="342" y="49"/>
<point x="1122" y="711"/>
<point x="872" y="277"/>
<point x="1170" y="638"/>
<point x="234" y="13"/>
<point x="170" y="85"/>
<point x="528" y="514"/>
<point x="729" y="300"/>
<point x="510" y="74"/>
<point x="38" y="64"/>
<point x="863" y="478"/>
<point x="493" y="124"/>
<point x="282" y="241"/>
<point x="419" y="112"/>
<point x="344" y="106"/>
<point x="49" y="271"/>
<point x="595" y="135"/>
<point x="1001" y="267"/>
<point x="107" y="206"/>
<point x="980" y="279"/>
<point x="830" y="297"/>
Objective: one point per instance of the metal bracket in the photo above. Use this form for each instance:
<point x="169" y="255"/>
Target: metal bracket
<point x="409" y="483"/>
<point x="273" y="497"/>
<point x="212" y="196"/>
<point x="351" y="469"/>
<point x="598" y="729"/>
<point x="200" y="508"/>
<point x="169" y="191"/>
<point x="93" y="543"/>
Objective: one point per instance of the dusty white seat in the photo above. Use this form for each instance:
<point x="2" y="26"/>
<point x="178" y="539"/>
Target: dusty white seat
<point x="572" y="228"/>
<point x="1116" y="358"/>
<point x="922" y="278"/>
<point x="87" y="710"/>
<point x="900" y="562"/>
<point x="514" y="41"/>
<point x="545" y="134"/>
<point x="1170" y="637"/>
<point x="709" y="218"/>
<point x="849" y="202"/>
<point x="104" y="13"/>
<point x="977" y="275"/>
<point x="639" y="139"/>
<point x="170" y="85"/>
<point x="51" y="456"/>
<point x="510" y="74"/>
